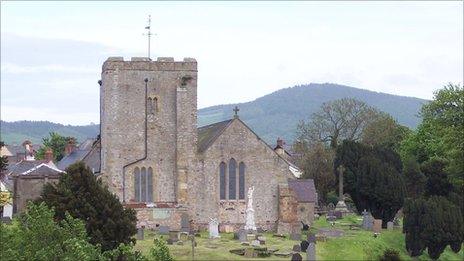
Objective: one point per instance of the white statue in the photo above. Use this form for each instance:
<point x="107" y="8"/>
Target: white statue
<point x="250" y="212"/>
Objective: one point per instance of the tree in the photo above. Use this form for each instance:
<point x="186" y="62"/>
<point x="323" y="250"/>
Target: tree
<point x="437" y="180"/>
<point x="3" y="162"/>
<point x="384" y="131"/>
<point x="337" y="120"/>
<point x="160" y="252"/>
<point x="440" y="133"/>
<point x="373" y="178"/>
<point x="317" y="164"/>
<point x="433" y="224"/>
<point x="414" y="178"/>
<point x="57" y="143"/>
<point x="39" y="237"/>
<point x="79" y="193"/>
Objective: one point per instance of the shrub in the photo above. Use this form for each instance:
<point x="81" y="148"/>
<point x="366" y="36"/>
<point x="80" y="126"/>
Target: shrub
<point x="390" y="254"/>
<point x="124" y="252"/>
<point x="38" y="237"/>
<point x="79" y="193"/>
<point x="160" y="251"/>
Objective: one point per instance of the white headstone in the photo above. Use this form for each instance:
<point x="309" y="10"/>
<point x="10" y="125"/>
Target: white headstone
<point x="213" y="228"/>
<point x="8" y="211"/>
<point x="250" y="212"/>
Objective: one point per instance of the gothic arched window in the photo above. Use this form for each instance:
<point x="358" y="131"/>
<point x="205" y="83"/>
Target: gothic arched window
<point x="150" y="109"/>
<point x="222" y="180"/>
<point x="232" y="179"/>
<point x="241" y="180"/>
<point x="149" y="185"/>
<point x="143" y="184"/>
<point x="155" y="105"/>
<point x="137" y="184"/>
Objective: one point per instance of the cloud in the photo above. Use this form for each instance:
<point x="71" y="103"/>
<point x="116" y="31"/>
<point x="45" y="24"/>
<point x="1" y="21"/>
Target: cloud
<point x="56" y="68"/>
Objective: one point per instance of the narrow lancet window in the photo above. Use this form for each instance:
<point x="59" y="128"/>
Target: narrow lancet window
<point x="222" y="180"/>
<point x="150" y="185"/>
<point x="137" y="184"/>
<point x="232" y="179"/>
<point x="241" y="180"/>
<point x="143" y="185"/>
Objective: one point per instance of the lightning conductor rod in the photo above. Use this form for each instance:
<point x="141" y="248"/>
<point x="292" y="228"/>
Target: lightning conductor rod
<point x="149" y="34"/>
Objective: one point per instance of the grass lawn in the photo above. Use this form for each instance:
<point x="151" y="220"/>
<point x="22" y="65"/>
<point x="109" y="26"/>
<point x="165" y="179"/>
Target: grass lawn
<point x="354" y="245"/>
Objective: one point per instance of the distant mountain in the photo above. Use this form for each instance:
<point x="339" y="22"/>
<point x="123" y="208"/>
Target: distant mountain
<point x="18" y="131"/>
<point x="277" y="114"/>
<point x="271" y="116"/>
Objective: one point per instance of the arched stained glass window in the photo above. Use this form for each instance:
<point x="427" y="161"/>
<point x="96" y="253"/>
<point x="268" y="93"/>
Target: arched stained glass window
<point x="137" y="184"/>
<point x="222" y="180"/>
<point x="232" y="179"/>
<point x="150" y="185"/>
<point x="241" y="180"/>
<point x="143" y="184"/>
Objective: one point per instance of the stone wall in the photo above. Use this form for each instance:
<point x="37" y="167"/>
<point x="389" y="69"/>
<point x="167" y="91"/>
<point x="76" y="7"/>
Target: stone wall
<point x="171" y="128"/>
<point x="28" y="188"/>
<point x="306" y="212"/>
<point x="151" y="217"/>
<point x="264" y="170"/>
<point x="288" y="210"/>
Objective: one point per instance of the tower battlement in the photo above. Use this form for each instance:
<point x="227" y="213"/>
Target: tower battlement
<point x="145" y="64"/>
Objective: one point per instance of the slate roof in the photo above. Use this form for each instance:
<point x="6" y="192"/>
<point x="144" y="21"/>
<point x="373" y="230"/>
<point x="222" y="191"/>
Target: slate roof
<point x="92" y="159"/>
<point x="78" y="154"/>
<point x="304" y="189"/>
<point x="15" y="149"/>
<point x="209" y="133"/>
<point x="33" y="167"/>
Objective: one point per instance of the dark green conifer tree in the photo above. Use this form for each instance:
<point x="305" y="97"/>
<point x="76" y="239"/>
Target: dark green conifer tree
<point x="82" y="195"/>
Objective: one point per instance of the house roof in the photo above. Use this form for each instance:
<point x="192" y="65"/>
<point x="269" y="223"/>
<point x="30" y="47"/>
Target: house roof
<point x="33" y="167"/>
<point x="15" y="149"/>
<point x="78" y="154"/>
<point x="92" y="159"/>
<point x="304" y="189"/>
<point x="209" y="133"/>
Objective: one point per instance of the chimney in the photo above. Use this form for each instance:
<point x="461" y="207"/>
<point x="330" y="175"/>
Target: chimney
<point x="279" y="149"/>
<point x="48" y="155"/>
<point x="69" y="147"/>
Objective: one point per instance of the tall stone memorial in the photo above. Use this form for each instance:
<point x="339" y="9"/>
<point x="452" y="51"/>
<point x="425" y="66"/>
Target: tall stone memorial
<point x="341" y="205"/>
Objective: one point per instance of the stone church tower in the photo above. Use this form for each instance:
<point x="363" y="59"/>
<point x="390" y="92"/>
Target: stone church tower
<point x="148" y="127"/>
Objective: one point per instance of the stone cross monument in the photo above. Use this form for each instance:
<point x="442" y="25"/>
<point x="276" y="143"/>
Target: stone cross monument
<point x="250" y="212"/>
<point x="341" y="206"/>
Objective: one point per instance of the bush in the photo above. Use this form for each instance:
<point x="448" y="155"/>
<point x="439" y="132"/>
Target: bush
<point x="38" y="237"/>
<point x="390" y="254"/>
<point x="79" y="193"/>
<point x="160" y="251"/>
<point x="124" y="252"/>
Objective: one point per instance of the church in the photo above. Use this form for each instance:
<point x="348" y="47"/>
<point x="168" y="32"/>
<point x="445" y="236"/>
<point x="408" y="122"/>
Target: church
<point x="156" y="160"/>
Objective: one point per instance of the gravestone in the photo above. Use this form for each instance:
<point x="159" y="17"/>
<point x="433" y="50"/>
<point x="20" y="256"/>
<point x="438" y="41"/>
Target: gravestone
<point x="295" y="236"/>
<point x="311" y="252"/>
<point x="390" y="225"/>
<point x="184" y="223"/>
<point x="174" y="236"/>
<point x="163" y="230"/>
<point x="338" y="214"/>
<point x="367" y="220"/>
<point x="377" y="226"/>
<point x="262" y="240"/>
<point x="140" y="233"/>
<point x="213" y="228"/>
<point x="331" y="218"/>
<point x="255" y="243"/>
<point x="296" y="248"/>
<point x="304" y="245"/>
<point x="297" y="257"/>
<point x="242" y="235"/>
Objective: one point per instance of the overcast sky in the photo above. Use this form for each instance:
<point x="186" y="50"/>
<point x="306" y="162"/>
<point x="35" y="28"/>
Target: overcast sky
<point x="52" y="52"/>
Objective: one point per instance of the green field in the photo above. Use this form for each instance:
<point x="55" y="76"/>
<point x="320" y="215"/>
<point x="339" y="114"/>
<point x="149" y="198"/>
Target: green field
<point x="354" y="245"/>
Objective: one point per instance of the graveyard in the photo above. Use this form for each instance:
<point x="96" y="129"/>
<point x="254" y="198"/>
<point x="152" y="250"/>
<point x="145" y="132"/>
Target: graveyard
<point x="345" y="240"/>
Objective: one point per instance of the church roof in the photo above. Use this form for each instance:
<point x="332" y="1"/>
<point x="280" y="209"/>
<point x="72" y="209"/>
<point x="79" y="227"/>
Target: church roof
<point x="304" y="189"/>
<point x="208" y="134"/>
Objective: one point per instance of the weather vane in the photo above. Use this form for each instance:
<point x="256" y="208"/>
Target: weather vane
<point x="149" y="34"/>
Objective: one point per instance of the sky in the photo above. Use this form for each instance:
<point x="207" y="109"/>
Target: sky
<point x="52" y="52"/>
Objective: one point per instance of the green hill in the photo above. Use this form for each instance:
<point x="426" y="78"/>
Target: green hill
<point x="271" y="116"/>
